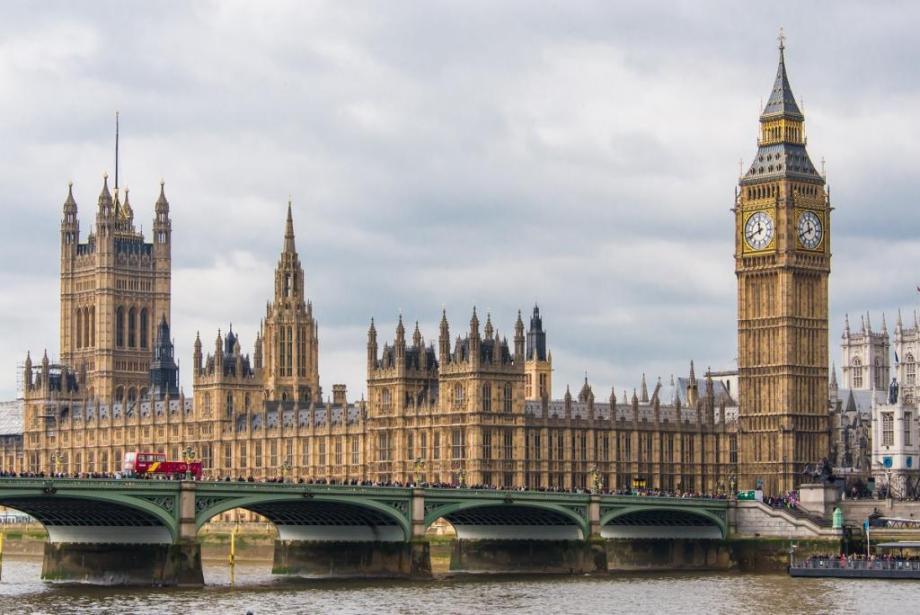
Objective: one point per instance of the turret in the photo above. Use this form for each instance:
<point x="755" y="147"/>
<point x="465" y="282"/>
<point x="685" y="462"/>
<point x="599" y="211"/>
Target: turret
<point x="400" y="339"/>
<point x="27" y="372"/>
<point x="218" y="353"/>
<point x="475" y="340"/>
<point x="692" y="390"/>
<point x="105" y="218"/>
<point x="519" y="339"/>
<point x="488" y="328"/>
<point x="257" y="349"/>
<point x="162" y="226"/>
<point x="416" y="337"/>
<point x="444" y="340"/>
<point x="371" y="347"/>
<point x="644" y="390"/>
<point x="196" y="355"/>
<point x="70" y="226"/>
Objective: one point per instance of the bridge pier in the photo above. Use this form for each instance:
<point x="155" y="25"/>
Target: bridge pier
<point x="346" y="559"/>
<point x="528" y="556"/>
<point x="668" y="554"/>
<point x="175" y="565"/>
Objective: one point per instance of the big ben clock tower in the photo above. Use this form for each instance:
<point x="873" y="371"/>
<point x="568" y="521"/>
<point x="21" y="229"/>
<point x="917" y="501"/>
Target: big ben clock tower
<point x="782" y="262"/>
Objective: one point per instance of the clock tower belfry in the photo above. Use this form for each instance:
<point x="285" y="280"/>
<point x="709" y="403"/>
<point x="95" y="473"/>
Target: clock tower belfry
<point x="782" y="263"/>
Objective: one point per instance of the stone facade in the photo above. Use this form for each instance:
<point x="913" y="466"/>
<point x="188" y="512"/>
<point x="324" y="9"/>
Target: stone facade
<point x="782" y="216"/>
<point x="475" y="408"/>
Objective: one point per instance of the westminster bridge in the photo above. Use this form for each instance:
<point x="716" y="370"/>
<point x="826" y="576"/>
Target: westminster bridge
<point x="145" y="531"/>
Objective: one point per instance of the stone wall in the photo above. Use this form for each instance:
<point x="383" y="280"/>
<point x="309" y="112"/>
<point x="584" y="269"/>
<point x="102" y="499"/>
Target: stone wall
<point x="755" y="519"/>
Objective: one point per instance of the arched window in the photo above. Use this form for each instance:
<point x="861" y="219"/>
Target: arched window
<point x="247" y="402"/>
<point x="458" y="396"/>
<point x="910" y="369"/>
<point x="119" y="394"/>
<point x="92" y="326"/>
<point x="206" y="402"/>
<point x="132" y="328"/>
<point x="145" y="328"/>
<point x="79" y="329"/>
<point x="386" y="400"/>
<point x="132" y="395"/>
<point x="508" y="398"/>
<point x="879" y="377"/>
<point x="487" y="398"/>
<point x="120" y="327"/>
<point x="229" y="404"/>
<point x="856" y="374"/>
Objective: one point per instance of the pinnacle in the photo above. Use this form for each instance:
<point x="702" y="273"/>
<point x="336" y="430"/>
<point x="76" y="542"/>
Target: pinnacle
<point x="289" y="246"/>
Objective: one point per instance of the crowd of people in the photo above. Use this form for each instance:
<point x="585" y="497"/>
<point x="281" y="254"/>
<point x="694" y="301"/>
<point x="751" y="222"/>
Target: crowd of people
<point x="361" y="483"/>
<point x="860" y="560"/>
<point x="788" y="500"/>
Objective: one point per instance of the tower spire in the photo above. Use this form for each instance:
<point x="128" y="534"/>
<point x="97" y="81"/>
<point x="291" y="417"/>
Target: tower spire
<point x="289" y="231"/>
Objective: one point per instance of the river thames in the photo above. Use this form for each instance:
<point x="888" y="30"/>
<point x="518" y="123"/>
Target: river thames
<point x="256" y="591"/>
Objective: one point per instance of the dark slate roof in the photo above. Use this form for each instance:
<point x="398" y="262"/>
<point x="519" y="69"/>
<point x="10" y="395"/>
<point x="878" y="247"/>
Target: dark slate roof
<point x="782" y="101"/>
<point x="782" y="160"/>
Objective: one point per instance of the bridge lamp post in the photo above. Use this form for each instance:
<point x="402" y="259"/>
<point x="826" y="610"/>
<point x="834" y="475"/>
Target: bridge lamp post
<point x="57" y="459"/>
<point x="595" y="480"/>
<point x="285" y="468"/>
<point x="419" y="468"/>
<point x="188" y="455"/>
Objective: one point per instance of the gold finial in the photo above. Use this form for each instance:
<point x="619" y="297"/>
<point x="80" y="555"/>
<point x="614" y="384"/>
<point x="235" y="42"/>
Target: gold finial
<point x="781" y="38"/>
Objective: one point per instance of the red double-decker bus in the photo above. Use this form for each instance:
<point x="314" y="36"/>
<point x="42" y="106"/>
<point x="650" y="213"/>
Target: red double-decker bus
<point x="155" y="464"/>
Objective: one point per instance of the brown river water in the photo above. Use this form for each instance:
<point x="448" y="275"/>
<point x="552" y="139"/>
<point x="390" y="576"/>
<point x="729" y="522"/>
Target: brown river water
<point x="257" y="591"/>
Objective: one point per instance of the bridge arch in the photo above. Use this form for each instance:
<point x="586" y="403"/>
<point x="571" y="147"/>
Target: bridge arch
<point x="662" y="522"/>
<point x="96" y="517"/>
<point x="312" y="517"/>
<point x="510" y="520"/>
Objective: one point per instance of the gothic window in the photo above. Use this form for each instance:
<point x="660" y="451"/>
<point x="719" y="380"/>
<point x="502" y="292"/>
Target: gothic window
<point x="879" y="377"/>
<point x="132" y="395"/>
<point x="410" y="446"/>
<point x="857" y="375"/>
<point x="79" y="329"/>
<point x="247" y="402"/>
<point x="338" y="451"/>
<point x="145" y="326"/>
<point x="132" y="324"/>
<point x="910" y="367"/>
<point x="487" y="398"/>
<point x="383" y="446"/>
<point x="229" y="404"/>
<point x="355" y="458"/>
<point x="92" y="326"/>
<point x="386" y="400"/>
<point x="120" y="327"/>
<point x="458" y="396"/>
<point x="508" y="398"/>
<point x="907" y="429"/>
<point x="457" y="445"/>
<point x="487" y="444"/>
<point x="119" y="395"/>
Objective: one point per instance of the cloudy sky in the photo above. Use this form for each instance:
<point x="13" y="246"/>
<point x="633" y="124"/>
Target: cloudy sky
<point x="582" y="155"/>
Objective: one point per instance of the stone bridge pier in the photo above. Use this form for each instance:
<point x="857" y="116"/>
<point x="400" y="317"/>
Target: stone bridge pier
<point x="517" y="535"/>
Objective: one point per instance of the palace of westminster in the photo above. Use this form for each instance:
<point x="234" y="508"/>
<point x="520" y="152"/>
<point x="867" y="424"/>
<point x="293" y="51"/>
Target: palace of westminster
<point x="472" y="408"/>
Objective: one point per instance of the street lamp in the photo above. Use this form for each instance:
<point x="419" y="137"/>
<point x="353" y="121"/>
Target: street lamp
<point x="419" y="468"/>
<point x="595" y="480"/>
<point x="285" y="467"/>
<point x="462" y="477"/>
<point x="57" y="458"/>
<point x="188" y="455"/>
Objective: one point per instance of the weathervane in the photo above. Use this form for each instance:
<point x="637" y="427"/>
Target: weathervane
<point x="781" y="38"/>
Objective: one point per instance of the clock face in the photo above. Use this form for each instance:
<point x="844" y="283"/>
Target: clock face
<point x="758" y="230"/>
<point x="810" y="230"/>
